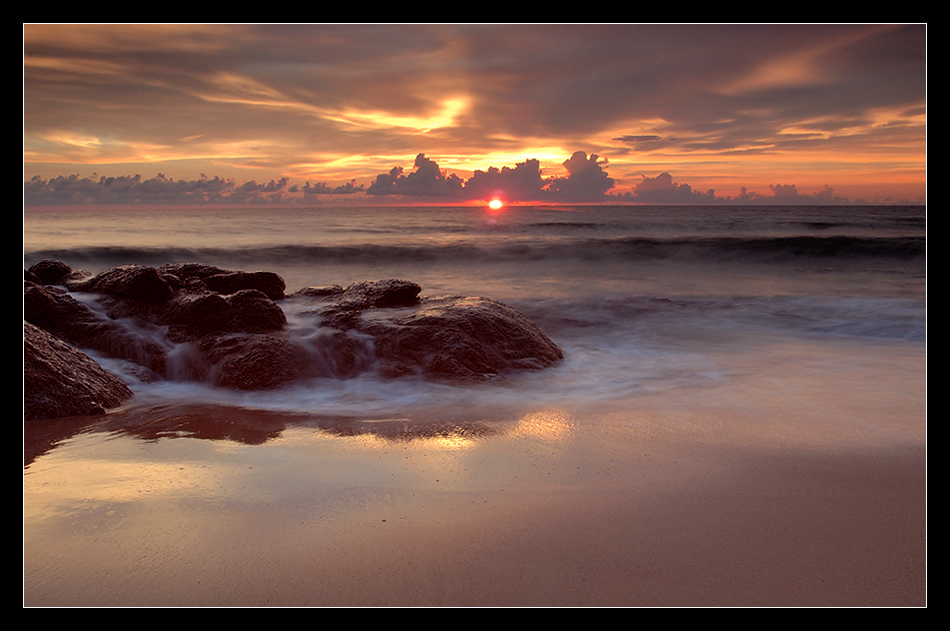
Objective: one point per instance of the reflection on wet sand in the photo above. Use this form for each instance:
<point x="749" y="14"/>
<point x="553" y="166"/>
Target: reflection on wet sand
<point x="248" y="426"/>
<point x="225" y="506"/>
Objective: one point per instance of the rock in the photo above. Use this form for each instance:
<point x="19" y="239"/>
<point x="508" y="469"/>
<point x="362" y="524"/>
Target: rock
<point x="61" y="381"/>
<point x="324" y="291"/>
<point x="51" y="271"/>
<point x="347" y="306"/>
<point x="55" y="310"/>
<point x="200" y="322"/>
<point x="30" y="277"/>
<point x="128" y="282"/>
<point x="379" y="294"/>
<point x="452" y="338"/>
<point x="58" y="313"/>
<point x="247" y="311"/>
<point x="253" y="362"/>
<point x="255" y="312"/>
<point x="227" y="282"/>
<point x="191" y="270"/>
<point x="270" y="284"/>
<point x="263" y="361"/>
<point x="191" y="315"/>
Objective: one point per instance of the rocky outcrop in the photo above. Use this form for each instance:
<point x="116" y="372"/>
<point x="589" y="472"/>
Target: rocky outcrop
<point x="60" y="381"/>
<point x="194" y="315"/>
<point x="200" y="322"/>
<point x="54" y="310"/>
<point x="227" y="282"/>
<point x="445" y="338"/>
<point x="137" y="283"/>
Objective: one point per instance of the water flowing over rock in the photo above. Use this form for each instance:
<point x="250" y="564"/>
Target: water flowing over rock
<point x="227" y="328"/>
<point x="449" y="338"/>
<point x="62" y="315"/>
<point x="60" y="381"/>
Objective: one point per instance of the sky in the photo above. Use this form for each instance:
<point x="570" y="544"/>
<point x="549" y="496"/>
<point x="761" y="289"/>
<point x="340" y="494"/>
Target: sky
<point x="459" y="113"/>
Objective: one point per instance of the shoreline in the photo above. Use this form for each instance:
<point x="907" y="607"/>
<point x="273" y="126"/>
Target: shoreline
<point x="545" y="513"/>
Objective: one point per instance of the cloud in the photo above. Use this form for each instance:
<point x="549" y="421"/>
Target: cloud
<point x="428" y="180"/>
<point x="633" y="139"/>
<point x="522" y="183"/>
<point x="663" y="190"/>
<point x="789" y="194"/>
<point x="73" y="189"/>
<point x="271" y="187"/>
<point x="586" y="181"/>
<point x="322" y="188"/>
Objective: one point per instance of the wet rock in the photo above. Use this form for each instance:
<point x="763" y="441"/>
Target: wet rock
<point x="268" y="283"/>
<point x="192" y="315"/>
<point x="380" y="294"/>
<point x="347" y="306"/>
<point x="200" y="322"/>
<point x="225" y="281"/>
<point x="128" y="282"/>
<point x="50" y="272"/>
<point x="253" y="362"/>
<point x="58" y="313"/>
<point x="324" y="291"/>
<point x="455" y="338"/>
<point x="192" y="270"/>
<point x="255" y="312"/>
<point x="61" y="381"/>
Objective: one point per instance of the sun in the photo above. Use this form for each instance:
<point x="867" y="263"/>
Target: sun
<point x="495" y="204"/>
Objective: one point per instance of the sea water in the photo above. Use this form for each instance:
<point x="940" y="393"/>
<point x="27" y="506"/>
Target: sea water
<point x="768" y="327"/>
<point x="639" y="298"/>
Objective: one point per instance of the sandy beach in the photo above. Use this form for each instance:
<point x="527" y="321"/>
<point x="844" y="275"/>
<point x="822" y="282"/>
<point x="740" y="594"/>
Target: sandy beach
<point x="646" y="508"/>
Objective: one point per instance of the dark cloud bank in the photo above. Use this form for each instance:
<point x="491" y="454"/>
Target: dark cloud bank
<point x="586" y="181"/>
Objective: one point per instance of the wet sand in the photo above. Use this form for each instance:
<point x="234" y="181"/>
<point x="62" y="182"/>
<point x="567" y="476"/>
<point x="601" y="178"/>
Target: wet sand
<point x="644" y="508"/>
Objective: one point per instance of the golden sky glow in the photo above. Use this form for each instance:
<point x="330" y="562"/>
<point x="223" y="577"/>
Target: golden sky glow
<point x="720" y="109"/>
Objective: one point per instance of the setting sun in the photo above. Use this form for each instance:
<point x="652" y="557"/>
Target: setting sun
<point x="495" y="204"/>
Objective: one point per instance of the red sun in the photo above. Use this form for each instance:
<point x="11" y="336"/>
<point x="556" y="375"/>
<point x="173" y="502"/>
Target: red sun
<point x="495" y="204"/>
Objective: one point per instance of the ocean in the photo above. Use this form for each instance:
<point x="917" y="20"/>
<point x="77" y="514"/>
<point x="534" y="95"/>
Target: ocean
<point x="789" y="330"/>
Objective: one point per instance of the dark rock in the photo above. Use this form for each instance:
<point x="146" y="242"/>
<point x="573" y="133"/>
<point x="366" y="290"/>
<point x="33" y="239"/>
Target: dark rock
<point x="253" y="362"/>
<point x="269" y="283"/>
<point x="54" y="310"/>
<point x="255" y="312"/>
<point x="452" y="338"/>
<point x="199" y="322"/>
<point x="345" y="310"/>
<point x="248" y="311"/>
<point x="191" y="270"/>
<point x="61" y="315"/>
<point x="380" y="294"/>
<point x="224" y="281"/>
<point x="325" y="291"/>
<point x="192" y="315"/>
<point x="61" y="381"/>
<point x="51" y="271"/>
<point x="128" y="282"/>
